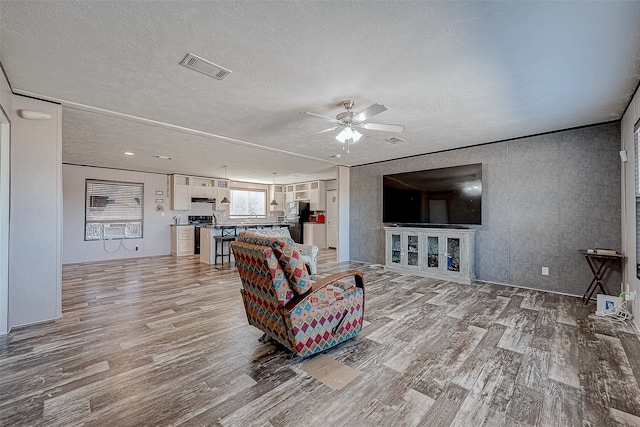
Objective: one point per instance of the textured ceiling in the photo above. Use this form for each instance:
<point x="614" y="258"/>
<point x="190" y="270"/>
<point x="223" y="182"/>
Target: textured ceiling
<point x="454" y="73"/>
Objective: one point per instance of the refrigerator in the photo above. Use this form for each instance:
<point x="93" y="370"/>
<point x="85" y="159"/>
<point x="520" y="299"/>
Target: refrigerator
<point x="295" y="214"/>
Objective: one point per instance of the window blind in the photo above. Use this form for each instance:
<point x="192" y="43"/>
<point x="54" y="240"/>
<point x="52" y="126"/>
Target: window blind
<point x="113" y="210"/>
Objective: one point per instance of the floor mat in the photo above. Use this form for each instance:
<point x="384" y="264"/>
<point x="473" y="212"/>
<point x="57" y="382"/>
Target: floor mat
<point x="329" y="371"/>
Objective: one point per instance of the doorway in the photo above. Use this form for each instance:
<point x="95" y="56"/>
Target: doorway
<point x="332" y="218"/>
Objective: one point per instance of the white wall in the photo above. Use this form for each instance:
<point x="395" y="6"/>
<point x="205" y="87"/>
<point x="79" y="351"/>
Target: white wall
<point x="156" y="226"/>
<point x="35" y="277"/>
<point x="343" y="214"/>
<point x="631" y="116"/>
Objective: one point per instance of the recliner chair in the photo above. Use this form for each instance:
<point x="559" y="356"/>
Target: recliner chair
<point x="306" y="314"/>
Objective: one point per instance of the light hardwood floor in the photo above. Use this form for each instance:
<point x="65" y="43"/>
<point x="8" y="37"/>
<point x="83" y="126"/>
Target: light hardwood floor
<point x="164" y="341"/>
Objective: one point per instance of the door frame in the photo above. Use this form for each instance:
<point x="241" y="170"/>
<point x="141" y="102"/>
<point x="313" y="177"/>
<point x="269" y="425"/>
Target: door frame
<point x="5" y="163"/>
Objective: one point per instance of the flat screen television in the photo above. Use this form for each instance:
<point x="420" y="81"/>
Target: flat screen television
<point x="446" y="196"/>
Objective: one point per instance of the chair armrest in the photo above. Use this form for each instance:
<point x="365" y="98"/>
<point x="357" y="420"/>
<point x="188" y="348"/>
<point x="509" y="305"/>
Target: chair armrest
<point x="358" y="275"/>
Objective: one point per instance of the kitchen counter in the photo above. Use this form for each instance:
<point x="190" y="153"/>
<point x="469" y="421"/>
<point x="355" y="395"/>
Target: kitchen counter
<point x="246" y="224"/>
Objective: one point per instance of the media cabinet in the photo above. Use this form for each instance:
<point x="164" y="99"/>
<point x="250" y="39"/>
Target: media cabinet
<point x="440" y="253"/>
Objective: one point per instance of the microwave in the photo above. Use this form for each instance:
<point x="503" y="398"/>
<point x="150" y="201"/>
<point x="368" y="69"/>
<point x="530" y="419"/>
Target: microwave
<point x="316" y="218"/>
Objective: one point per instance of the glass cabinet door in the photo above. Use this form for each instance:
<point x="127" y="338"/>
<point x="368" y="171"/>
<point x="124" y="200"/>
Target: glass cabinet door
<point x="396" y="248"/>
<point x="453" y="253"/>
<point x="433" y="252"/>
<point x="412" y="250"/>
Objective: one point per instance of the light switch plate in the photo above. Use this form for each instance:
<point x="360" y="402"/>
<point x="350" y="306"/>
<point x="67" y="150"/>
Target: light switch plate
<point x="545" y="271"/>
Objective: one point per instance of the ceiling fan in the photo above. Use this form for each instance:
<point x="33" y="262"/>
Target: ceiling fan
<point x="349" y="121"/>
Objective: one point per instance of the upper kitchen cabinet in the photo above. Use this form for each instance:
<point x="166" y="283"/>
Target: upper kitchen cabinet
<point x="222" y="191"/>
<point x="317" y="196"/>
<point x="289" y="193"/>
<point x="204" y="187"/>
<point x="180" y="192"/>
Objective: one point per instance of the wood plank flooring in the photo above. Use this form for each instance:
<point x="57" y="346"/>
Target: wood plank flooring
<point x="164" y="341"/>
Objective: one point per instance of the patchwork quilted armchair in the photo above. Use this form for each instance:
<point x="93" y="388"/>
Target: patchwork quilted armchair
<point x="306" y="314"/>
<point x="308" y="253"/>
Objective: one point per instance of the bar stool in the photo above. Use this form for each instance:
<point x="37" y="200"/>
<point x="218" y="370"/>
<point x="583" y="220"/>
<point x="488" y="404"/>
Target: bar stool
<point x="227" y="234"/>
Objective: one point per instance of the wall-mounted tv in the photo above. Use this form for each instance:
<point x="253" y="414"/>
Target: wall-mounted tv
<point x="443" y="196"/>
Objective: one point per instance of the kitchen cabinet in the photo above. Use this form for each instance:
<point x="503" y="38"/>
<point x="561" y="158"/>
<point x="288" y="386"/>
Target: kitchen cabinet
<point x="182" y="240"/>
<point x="317" y="196"/>
<point x="289" y="193"/>
<point x="277" y="194"/>
<point x="313" y="192"/>
<point x="222" y="191"/>
<point x="315" y="234"/>
<point x="180" y="192"/>
<point x="204" y="187"/>
<point x="441" y="253"/>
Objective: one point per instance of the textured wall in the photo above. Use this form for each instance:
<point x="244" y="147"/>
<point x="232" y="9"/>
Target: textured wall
<point x="544" y="198"/>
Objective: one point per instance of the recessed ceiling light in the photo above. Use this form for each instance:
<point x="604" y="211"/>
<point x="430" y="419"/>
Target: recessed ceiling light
<point x="158" y="156"/>
<point x="395" y="140"/>
<point x="128" y="153"/>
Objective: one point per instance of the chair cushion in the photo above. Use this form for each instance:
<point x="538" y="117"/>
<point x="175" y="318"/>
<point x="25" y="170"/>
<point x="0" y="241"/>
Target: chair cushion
<point x="293" y="266"/>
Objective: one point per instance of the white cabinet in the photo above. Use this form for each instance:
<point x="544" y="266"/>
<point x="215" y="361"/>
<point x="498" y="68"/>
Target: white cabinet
<point x="222" y="191"/>
<point x="441" y="253"/>
<point x="182" y="240"/>
<point x="405" y="250"/>
<point x="317" y="196"/>
<point x="277" y="194"/>
<point x="313" y="192"/>
<point x="301" y="191"/>
<point x="289" y="193"/>
<point x="204" y="187"/>
<point x="314" y="234"/>
<point x="180" y="192"/>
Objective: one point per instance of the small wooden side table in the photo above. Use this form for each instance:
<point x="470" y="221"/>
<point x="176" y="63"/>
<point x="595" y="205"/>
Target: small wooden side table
<point x="599" y="265"/>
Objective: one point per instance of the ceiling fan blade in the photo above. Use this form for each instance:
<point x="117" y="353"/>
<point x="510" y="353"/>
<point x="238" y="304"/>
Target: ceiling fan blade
<point x="373" y="110"/>
<point x="383" y="127"/>
<point x="324" y="130"/>
<point x="322" y="117"/>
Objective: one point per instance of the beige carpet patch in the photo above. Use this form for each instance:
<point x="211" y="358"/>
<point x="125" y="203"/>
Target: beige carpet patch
<point x="329" y="371"/>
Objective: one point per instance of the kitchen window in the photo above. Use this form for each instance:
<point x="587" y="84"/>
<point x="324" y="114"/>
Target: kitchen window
<point x="248" y="203"/>
<point x="113" y="210"/>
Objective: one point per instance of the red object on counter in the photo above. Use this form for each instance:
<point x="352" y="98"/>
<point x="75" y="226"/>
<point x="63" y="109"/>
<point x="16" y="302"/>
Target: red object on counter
<point x="316" y="218"/>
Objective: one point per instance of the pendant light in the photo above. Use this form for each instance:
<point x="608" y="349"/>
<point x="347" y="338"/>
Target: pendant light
<point x="273" y="202"/>
<point x="225" y="200"/>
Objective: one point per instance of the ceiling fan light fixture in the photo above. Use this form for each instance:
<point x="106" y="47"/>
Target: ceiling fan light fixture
<point x="356" y="136"/>
<point x="347" y="133"/>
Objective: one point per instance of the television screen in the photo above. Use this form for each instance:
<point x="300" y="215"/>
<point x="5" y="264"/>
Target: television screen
<point x="443" y="196"/>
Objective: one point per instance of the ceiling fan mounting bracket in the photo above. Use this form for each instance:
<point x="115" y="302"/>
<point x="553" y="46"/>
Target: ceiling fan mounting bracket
<point x="348" y="104"/>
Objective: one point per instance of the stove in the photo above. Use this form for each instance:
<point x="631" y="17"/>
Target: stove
<point x="198" y="221"/>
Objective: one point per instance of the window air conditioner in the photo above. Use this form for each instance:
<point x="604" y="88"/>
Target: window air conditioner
<point x="114" y="231"/>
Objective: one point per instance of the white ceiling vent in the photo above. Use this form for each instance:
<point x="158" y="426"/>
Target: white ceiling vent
<point x="395" y="140"/>
<point x="158" y="156"/>
<point x="205" y="67"/>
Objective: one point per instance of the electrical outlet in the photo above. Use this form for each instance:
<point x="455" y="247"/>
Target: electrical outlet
<point x="545" y="271"/>
<point x="631" y="296"/>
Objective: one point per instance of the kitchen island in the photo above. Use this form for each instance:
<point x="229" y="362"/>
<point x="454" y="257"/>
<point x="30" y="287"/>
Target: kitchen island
<point x="207" y="241"/>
